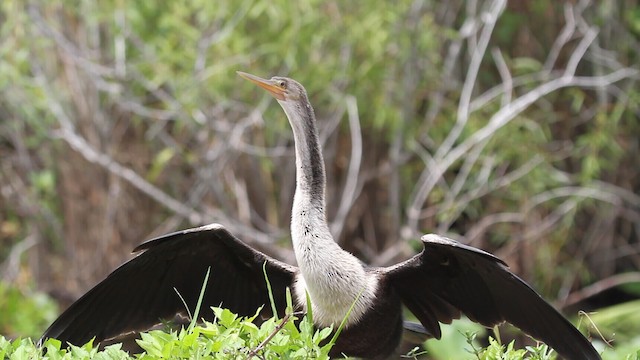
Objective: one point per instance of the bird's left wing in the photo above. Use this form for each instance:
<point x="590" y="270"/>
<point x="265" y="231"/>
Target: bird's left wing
<point x="448" y="277"/>
<point x="168" y="274"/>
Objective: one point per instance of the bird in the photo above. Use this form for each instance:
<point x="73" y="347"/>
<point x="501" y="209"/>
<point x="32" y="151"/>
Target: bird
<point x="445" y="280"/>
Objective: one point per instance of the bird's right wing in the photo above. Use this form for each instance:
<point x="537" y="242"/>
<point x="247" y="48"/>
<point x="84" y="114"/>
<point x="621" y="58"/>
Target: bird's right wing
<point x="448" y="278"/>
<point x="143" y="292"/>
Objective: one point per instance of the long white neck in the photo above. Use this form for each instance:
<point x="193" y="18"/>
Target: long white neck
<point x="310" y="233"/>
<point x="332" y="277"/>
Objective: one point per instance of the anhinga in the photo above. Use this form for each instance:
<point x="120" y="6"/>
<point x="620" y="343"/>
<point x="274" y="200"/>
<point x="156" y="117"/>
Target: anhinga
<point x="446" y="279"/>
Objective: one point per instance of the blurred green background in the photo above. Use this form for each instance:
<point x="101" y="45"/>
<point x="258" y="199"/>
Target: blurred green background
<point x="509" y="126"/>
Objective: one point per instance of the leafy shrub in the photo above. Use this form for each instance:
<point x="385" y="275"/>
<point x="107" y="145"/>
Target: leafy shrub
<point x="24" y="311"/>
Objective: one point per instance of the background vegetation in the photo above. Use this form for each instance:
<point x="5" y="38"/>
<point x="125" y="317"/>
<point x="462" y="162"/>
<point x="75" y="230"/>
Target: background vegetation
<point x="509" y="126"/>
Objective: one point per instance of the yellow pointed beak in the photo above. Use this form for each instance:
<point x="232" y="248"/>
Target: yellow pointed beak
<point x="271" y="86"/>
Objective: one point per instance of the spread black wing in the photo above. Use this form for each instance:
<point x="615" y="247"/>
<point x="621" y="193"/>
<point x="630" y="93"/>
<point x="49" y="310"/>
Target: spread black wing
<point x="143" y="291"/>
<point x="447" y="278"/>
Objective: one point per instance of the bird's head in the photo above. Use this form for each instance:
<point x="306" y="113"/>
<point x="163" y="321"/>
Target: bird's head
<point x="281" y="88"/>
<point x="293" y="99"/>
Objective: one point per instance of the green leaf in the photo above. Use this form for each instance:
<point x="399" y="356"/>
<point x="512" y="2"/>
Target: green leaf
<point x="159" y="163"/>
<point x="196" y="314"/>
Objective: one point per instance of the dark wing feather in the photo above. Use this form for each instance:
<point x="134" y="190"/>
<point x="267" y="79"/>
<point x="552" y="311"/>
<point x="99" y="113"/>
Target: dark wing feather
<point x="141" y="293"/>
<point x="448" y="278"/>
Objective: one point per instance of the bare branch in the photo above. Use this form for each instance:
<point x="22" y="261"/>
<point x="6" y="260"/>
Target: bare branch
<point x="505" y="74"/>
<point x="10" y="268"/>
<point x="563" y="38"/>
<point x="578" y="53"/>
<point x="455" y="209"/>
<point x="462" y="116"/>
<point x="600" y="286"/>
<point x="507" y="113"/>
<point x="519" y="81"/>
<point x="120" y="44"/>
<point x="80" y="145"/>
<point x="349" y="193"/>
<point x="573" y="192"/>
<point x="546" y="224"/>
<point x="480" y="228"/>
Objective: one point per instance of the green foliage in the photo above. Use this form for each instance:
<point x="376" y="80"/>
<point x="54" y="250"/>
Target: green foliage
<point x="23" y="311"/>
<point x="234" y="337"/>
<point x="459" y="341"/>
<point x="160" y="161"/>
<point x="210" y="41"/>
<point x="629" y="350"/>
<point x="228" y="337"/>
<point x="497" y="351"/>
<point x="455" y="340"/>
<point x="619" y="322"/>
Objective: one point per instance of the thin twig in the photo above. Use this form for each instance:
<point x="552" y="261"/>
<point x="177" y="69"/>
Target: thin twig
<point x="505" y="75"/>
<point x="275" y="331"/>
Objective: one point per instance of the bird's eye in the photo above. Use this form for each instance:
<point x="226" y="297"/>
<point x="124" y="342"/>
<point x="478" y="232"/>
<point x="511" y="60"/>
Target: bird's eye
<point x="282" y="84"/>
